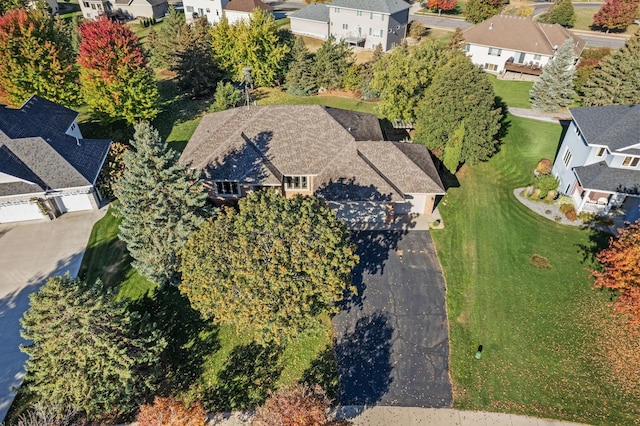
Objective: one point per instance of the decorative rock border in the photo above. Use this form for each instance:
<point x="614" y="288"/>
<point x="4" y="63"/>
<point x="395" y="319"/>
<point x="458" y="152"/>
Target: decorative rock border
<point x="541" y="209"/>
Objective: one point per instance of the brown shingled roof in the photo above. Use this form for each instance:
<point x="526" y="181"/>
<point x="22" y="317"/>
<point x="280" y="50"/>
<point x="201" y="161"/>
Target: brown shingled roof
<point x="259" y="145"/>
<point x="246" y="5"/>
<point x="521" y="34"/>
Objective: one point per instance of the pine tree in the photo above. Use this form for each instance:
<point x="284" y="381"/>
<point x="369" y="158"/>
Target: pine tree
<point x="300" y="79"/>
<point x="86" y="351"/>
<point x="197" y="74"/>
<point x="554" y="89"/>
<point x="165" y="50"/>
<point x="35" y="58"/>
<point x="227" y="96"/>
<point x="116" y="81"/>
<point x="161" y="203"/>
<point x="616" y="80"/>
<point x="561" y="13"/>
<point x="331" y="63"/>
<point x="460" y="93"/>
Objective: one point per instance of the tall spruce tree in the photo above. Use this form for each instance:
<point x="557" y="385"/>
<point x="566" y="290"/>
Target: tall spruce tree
<point x="554" y="89"/>
<point x="161" y="203"/>
<point x="332" y="61"/>
<point x="616" y="80"/>
<point x="366" y="74"/>
<point x="164" y="51"/>
<point x="87" y="352"/>
<point x="197" y="74"/>
<point x="300" y="79"/>
<point x="459" y="93"/>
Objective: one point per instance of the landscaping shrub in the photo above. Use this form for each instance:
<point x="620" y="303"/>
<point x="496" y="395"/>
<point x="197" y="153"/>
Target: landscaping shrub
<point x="551" y="195"/>
<point x="536" y="194"/>
<point x="565" y="208"/>
<point x="571" y="215"/>
<point x="586" y="217"/>
<point x="416" y="29"/>
<point x="297" y="405"/>
<point x="563" y="199"/>
<point x="170" y="411"/>
<point x="544" y="166"/>
<point x="545" y="183"/>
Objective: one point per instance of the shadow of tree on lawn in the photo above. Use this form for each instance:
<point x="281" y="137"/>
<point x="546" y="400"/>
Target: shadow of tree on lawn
<point x="323" y="371"/>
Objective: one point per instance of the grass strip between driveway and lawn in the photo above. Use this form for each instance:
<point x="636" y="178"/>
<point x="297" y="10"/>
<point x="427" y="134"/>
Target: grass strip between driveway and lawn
<point x="543" y="330"/>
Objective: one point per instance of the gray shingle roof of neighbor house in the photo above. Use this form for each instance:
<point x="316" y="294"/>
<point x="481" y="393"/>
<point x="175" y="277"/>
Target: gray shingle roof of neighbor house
<point x="35" y="148"/>
<point x="314" y="12"/>
<point x="259" y="145"/>
<point x="380" y="6"/>
<point x="521" y="34"/>
<point x="615" y="126"/>
<point x="600" y="176"/>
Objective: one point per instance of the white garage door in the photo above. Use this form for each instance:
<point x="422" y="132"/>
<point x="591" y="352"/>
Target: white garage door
<point x="18" y="212"/>
<point x="74" y="203"/>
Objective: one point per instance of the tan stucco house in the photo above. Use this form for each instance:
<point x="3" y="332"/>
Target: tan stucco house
<point x="340" y="156"/>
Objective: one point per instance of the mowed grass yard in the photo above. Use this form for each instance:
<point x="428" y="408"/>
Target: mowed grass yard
<point x="544" y="331"/>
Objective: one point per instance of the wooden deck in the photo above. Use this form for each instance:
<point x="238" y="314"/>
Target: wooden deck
<point x="523" y="68"/>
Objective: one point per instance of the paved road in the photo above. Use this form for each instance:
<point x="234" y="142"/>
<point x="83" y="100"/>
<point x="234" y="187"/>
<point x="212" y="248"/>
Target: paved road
<point x="392" y="346"/>
<point x="29" y="254"/>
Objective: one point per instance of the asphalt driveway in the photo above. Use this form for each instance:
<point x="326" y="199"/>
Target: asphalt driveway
<point x="30" y="252"/>
<point x="392" y="339"/>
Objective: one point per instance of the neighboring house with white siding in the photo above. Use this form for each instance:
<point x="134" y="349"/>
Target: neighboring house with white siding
<point x="598" y="163"/>
<point x="365" y="23"/>
<point x="517" y="44"/>
<point x="238" y="10"/>
<point x="46" y="167"/>
<point x="213" y="10"/>
<point x="127" y="9"/>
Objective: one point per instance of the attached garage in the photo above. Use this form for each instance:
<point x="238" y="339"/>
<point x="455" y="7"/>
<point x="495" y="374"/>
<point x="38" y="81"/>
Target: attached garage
<point x="19" y="211"/>
<point x="74" y="202"/>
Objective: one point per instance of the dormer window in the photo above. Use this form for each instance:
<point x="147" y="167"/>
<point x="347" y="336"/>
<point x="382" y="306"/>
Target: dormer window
<point x="630" y="161"/>
<point x="296" y="182"/>
<point x="601" y="151"/>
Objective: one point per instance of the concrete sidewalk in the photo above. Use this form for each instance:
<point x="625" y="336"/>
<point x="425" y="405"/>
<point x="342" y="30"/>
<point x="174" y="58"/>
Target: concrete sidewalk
<point x="552" y="117"/>
<point x="411" y="416"/>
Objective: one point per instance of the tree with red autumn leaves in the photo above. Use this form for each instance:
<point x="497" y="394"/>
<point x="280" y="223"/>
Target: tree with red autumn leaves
<point x="616" y="14"/>
<point x="171" y="412"/>
<point x="299" y="405"/>
<point x="620" y="271"/>
<point x="117" y="82"/>
<point x="35" y="58"/>
<point x="442" y="4"/>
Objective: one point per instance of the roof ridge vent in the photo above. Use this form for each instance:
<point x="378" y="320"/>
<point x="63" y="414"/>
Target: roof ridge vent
<point x="491" y="26"/>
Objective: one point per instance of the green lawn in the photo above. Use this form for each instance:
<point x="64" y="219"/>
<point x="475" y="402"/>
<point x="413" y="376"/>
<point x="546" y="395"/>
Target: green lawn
<point x="541" y="329"/>
<point x="513" y="93"/>
<point x="267" y="96"/>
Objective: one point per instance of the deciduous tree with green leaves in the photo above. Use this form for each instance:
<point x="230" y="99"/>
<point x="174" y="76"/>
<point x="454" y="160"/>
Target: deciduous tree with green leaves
<point x="9" y="5"/>
<point x="477" y="11"/>
<point x="562" y="12"/>
<point x="272" y="266"/>
<point x="402" y="76"/>
<point x="616" y="79"/>
<point x="258" y="43"/>
<point x="460" y="93"/>
<point x="87" y="352"/>
<point x="161" y="203"/>
<point x="116" y="81"/>
<point x="554" y="89"/>
<point x="331" y="62"/>
<point x="35" y="58"/>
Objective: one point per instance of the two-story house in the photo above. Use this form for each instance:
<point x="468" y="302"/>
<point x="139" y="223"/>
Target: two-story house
<point x="365" y="23"/>
<point x="213" y="10"/>
<point x="337" y="155"/>
<point x="505" y="43"/>
<point x="46" y="167"/>
<point x="126" y="9"/>
<point x="598" y="163"/>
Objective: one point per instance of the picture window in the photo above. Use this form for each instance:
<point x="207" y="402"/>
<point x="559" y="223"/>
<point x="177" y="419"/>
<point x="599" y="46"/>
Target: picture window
<point x="227" y="188"/>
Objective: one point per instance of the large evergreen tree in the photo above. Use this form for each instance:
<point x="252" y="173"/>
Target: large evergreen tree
<point x="479" y="10"/>
<point x="300" y="79"/>
<point x="332" y="61"/>
<point x="402" y="76"/>
<point x="161" y="203"/>
<point x="259" y="44"/>
<point x="366" y="74"/>
<point x="86" y="351"/>
<point x="197" y="74"/>
<point x="35" y="58"/>
<point x="116" y="81"/>
<point x="273" y="266"/>
<point x="164" y="49"/>
<point x="616" y="79"/>
<point x="616" y="14"/>
<point x="460" y="93"/>
<point x="562" y="12"/>
<point x="554" y="89"/>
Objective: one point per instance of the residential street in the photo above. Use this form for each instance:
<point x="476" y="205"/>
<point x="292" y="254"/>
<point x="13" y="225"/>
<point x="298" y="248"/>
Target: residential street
<point x="392" y="346"/>
<point x="30" y="252"/>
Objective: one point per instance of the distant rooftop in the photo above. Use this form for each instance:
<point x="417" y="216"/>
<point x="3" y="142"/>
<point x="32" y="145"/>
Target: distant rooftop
<point x="381" y="6"/>
<point x="314" y="12"/>
<point x="615" y="126"/>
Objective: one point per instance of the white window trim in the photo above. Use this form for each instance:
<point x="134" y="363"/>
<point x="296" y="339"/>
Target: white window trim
<point x="601" y="151"/>
<point x="633" y="161"/>
<point x="494" y="51"/>
<point x="307" y="180"/>
<point x="566" y="158"/>
<point x="222" y="182"/>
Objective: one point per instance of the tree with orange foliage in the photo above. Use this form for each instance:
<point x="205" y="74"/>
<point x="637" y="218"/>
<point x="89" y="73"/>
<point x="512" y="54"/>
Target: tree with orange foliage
<point x="440" y="5"/>
<point x="300" y="405"/>
<point x="171" y="412"/>
<point x="621" y="271"/>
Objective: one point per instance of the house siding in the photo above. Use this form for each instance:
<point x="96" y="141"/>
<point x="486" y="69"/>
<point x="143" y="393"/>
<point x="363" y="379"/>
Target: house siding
<point x="375" y="27"/>
<point x="579" y="154"/>
<point x="480" y="56"/>
<point x="215" y="7"/>
<point x="309" y="28"/>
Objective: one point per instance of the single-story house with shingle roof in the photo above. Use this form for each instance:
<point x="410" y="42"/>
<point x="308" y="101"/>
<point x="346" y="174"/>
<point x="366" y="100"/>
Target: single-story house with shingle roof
<point x="365" y="23"/>
<point x="339" y="156"/>
<point x="517" y="44"/>
<point x="46" y="167"/>
<point x="598" y="163"/>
